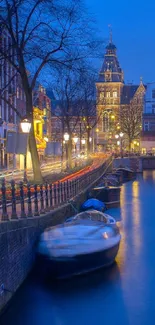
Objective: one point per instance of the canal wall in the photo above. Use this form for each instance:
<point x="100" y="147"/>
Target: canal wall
<point x="18" y="240"/>
<point x="17" y="248"/>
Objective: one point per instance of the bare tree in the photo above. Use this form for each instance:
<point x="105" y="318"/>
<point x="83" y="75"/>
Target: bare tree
<point x="131" y="120"/>
<point x="88" y="103"/>
<point x="67" y="91"/>
<point x="42" y="33"/>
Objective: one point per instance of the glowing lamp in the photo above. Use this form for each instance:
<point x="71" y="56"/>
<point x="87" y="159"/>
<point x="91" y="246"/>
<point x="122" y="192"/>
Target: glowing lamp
<point x="75" y="139"/>
<point x="25" y="126"/>
<point x="66" y="136"/>
<point x="83" y="141"/>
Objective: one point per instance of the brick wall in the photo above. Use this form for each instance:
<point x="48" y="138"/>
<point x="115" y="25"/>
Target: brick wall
<point x="17" y="248"/>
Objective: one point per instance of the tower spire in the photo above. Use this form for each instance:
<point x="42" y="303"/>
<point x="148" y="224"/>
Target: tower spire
<point x="110" y="34"/>
<point x="141" y="80"/>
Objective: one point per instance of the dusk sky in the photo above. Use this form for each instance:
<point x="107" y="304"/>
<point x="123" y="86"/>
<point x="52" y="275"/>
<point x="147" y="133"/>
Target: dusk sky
<point x="133" y="25"/>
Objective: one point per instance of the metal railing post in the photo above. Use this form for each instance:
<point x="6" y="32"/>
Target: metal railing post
<point x="36" y="210"/>
<point x="22" y="203"/>
<point x="5" y="216"/>
<point x="13" y="199"/>
<point x="42" y="210"/>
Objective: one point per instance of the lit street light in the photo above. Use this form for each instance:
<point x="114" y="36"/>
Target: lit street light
<point x="26" y="127"/>
<point x="120" y="136"/>
<point x="83" y="141"/>
<point x="75" y="139"/>
<point x="66" y="138"/>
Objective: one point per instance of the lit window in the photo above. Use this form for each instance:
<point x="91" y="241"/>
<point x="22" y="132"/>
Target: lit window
<point x="17" y="92"/>
<point x="115" y="94"/>
<point x="146" y="126"/>
<point x="108" y="94"/>
<point x="101" y="95"/>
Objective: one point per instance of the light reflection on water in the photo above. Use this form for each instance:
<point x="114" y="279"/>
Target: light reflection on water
<point x="123" y="294"/>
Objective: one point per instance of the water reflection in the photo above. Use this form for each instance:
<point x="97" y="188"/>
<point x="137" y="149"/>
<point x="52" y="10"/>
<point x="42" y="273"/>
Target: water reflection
<point x="149" y="175"/>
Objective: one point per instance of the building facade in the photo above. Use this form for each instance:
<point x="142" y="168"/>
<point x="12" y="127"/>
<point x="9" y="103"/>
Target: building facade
<point x="148" y="125"/>
<point x="112" y="97"/>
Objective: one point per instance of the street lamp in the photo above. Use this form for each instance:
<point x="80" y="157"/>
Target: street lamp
<point x="66" y="138"/>
<point x="120" y="136"/>
<point x="83" y="141"/>
<point x="75" y="139"/>
<point x="26" y="127"/>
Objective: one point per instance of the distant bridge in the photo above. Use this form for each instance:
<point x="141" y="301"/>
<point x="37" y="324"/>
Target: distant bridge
<point x="137" y="163"/>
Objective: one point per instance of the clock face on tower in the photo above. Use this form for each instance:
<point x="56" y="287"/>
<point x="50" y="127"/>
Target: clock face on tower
<point x="107" y="77"/>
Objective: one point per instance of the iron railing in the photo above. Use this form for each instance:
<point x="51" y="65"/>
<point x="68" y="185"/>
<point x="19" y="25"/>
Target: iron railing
<point x="34" y="200"/>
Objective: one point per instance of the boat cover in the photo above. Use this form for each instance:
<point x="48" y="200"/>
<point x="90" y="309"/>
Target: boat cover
<point x="81" y="237"/>
<point x="93" y="204"/>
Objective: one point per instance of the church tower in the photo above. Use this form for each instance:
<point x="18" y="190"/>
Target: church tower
<point x="109" y="89"/>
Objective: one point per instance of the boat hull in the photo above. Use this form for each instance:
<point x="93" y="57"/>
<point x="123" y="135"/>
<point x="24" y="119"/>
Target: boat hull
<point x="66" y="267"/>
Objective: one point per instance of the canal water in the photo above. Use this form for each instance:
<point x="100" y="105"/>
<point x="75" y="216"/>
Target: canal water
<point x="122" y="294"/>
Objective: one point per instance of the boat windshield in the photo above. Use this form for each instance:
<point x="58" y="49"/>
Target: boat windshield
<point x="93" y="215"/>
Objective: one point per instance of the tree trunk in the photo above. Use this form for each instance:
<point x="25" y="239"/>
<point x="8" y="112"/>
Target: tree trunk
<point x="69" y="147"/>
<point x="130" y="141"/>
<point x="32" y="142"/>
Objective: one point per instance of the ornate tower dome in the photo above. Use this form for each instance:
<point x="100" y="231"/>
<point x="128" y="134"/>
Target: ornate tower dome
<point x="111" y="71"/>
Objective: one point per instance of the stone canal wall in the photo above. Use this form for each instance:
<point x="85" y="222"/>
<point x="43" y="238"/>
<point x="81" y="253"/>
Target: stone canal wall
<point x="18" y="240"/>
<point x="17" y="248"/>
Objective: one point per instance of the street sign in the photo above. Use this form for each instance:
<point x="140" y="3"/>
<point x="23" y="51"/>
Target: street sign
<point x="16" y="143"/>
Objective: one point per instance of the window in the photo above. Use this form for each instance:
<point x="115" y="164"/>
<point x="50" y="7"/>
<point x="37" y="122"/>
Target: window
<point x="37" y="128"/>
<point x="143" y="151"/>
<point x="115" y="94"/>
<point x="153" y="109"/>
<point x="153" y="93"/>
<point x="17" y="92"/>
<point x="101" y="96"/>
<point x="146" y="126"/>
<point x="105" y="122"/>
<point x="108" y="94"/>
<point x="152" y="126"/>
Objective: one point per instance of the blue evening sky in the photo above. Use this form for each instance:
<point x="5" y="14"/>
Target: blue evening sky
<point x="133" y="23"/>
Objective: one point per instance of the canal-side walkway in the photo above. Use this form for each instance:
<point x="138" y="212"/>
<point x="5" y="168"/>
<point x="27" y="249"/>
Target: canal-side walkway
<point x="123" y="294"/>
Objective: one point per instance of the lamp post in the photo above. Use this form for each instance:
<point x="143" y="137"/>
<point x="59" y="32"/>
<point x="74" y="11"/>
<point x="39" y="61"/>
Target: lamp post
<point x="66" y="138"/>
<point x="26" y="127"/>
<point x="75" y="139"/>
<point x="119" y="142"/>
<point x="83" y="141"/>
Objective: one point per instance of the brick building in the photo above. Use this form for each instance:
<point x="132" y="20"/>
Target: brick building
<point x="112" y="96"/>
